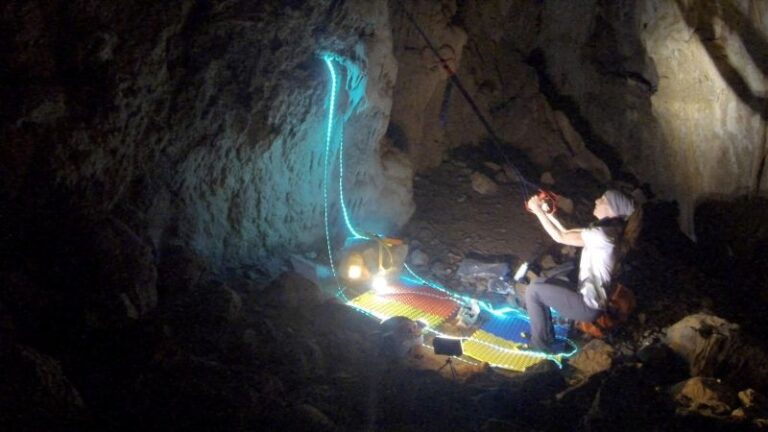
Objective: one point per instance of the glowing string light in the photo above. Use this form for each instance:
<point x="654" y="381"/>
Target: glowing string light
<point x="326" y="174"/>
<point x="344" y="210"/>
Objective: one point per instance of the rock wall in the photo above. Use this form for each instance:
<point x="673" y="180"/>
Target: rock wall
<point x="199" y="123"/>
<point x="487" y="44"/>
<point x="203" y="123"/>
<point x="675" y="87"/>
<point x="711" y="106"/>
<point x="665" y="92"/>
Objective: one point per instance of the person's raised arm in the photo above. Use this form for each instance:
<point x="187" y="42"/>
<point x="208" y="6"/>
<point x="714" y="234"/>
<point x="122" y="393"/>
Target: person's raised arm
<point x="553" y="227"/>
<point x="555" y="221"/>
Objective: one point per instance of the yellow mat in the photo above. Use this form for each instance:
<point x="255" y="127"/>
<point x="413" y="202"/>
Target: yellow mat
<point x="500" y="352"/>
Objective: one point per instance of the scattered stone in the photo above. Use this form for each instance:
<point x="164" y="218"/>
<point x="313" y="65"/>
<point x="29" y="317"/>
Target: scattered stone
<point x="494" y="167"/>
<point x="419" y="258"/>
<point x="483" y="185"/>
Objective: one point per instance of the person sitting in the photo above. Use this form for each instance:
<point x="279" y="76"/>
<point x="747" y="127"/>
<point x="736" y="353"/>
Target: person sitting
<point x="601" y="243"/>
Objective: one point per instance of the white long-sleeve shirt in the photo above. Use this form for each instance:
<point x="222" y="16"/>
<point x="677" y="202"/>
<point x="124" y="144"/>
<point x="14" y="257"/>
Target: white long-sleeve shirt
<point x="596" y="267"/>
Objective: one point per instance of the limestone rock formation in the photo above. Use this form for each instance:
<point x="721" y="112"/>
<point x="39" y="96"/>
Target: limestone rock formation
<point x="677" y="88"/>
<point x="704" y="341"/>
<point x="206" y="120"/>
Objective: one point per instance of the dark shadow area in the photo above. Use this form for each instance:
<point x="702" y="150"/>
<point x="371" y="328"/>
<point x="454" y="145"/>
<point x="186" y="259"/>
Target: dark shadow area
<point x="571" y="108"/>
<point x="733" y="243"/>
<point x="397" y="136"/>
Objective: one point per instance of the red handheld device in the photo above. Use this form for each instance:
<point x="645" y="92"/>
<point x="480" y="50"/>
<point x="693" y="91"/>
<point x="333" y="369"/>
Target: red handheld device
<point x="548" y="202"/>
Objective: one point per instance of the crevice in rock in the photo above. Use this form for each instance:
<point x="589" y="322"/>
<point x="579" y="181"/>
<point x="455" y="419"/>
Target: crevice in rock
<point x="635" y="78"/>
<point x="570" y="107"/>
<point x="762" y="161"/>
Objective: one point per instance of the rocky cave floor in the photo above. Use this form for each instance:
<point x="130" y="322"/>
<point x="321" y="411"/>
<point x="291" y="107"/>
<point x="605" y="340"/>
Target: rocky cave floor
<point x="241" y="353"/>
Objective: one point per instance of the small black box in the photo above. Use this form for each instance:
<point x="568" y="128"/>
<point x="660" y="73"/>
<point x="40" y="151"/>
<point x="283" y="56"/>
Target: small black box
<point x="447" y="346"/>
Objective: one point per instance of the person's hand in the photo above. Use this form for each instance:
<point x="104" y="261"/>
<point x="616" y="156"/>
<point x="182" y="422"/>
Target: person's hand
<point x="534" y="205"/>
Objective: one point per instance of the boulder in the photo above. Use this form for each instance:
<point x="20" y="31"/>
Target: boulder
<point x="595" y="357"/>
<point x="704" y="341"/>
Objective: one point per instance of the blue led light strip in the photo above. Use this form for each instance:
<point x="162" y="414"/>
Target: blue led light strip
<point x="344" y="210"/>
<point x="326" y="174"/>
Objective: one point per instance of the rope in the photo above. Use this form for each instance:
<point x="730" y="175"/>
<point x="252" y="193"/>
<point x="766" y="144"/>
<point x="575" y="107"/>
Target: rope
<point x="457" y="82"/>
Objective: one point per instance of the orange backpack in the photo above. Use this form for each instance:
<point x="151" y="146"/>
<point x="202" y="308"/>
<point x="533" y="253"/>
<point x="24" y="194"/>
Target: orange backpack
<point x="620" y="305"/>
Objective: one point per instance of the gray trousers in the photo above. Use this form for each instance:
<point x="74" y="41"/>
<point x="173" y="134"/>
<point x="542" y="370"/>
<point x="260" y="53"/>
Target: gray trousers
<point x="561" y="295"/>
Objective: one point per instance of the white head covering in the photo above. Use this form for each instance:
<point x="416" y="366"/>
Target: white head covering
<point x="620" y="204"/>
